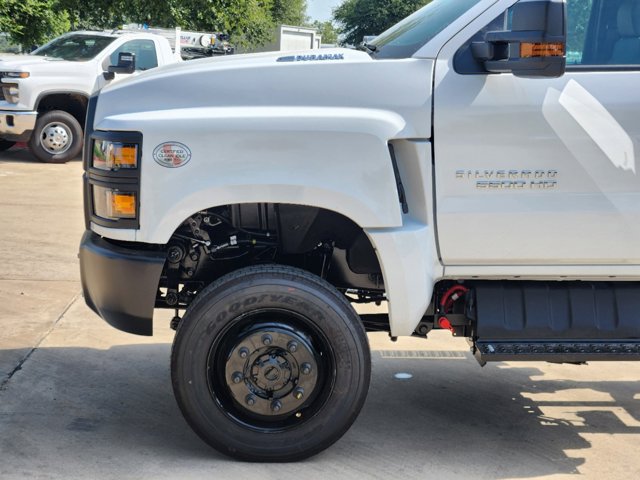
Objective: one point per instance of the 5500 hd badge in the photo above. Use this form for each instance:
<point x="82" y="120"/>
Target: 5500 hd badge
<point x="511" y="179"/>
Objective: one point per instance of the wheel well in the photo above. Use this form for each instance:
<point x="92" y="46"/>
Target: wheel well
<point x="72" y="103"/>
<point x="219" y="240"/>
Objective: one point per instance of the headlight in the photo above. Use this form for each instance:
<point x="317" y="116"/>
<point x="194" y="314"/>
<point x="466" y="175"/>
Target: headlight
<point x="109" y="155"/>
<point x="14" y="74"/>
<point x="10" y="92"/>
<point x="113" y="204"/>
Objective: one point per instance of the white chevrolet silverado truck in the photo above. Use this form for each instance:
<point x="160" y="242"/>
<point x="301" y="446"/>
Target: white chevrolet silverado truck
<point x="474" y="167"/>
<point x="44" y="95"/>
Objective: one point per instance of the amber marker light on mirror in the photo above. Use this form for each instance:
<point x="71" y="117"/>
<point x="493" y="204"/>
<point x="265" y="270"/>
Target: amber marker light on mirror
<point x="533" y="50"/>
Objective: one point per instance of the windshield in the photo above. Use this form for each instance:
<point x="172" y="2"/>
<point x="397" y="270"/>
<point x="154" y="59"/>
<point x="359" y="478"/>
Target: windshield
<point x="406" y="37"/>
<point x="75" y="48"/>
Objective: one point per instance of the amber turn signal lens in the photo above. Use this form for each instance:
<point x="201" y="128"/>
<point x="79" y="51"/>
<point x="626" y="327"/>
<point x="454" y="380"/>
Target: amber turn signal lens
<point x="113" y="156"/>
<point x="123" y="205"/>
<point x="113" y="204"/>
<point x="532" y="50"/>
<point x="126" y="155"/>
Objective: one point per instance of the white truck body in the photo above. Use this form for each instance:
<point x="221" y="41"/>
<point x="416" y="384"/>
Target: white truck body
<point x="498" y="189"/>
<point x="348" y="134"/>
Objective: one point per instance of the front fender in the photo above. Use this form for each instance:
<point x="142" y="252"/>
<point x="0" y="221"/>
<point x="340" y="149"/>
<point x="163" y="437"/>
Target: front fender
<point x="332" y="158"/>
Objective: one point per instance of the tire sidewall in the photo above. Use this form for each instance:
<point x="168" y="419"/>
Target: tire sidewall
<point x="202" y="326"/>
<point x="35" y="142"/>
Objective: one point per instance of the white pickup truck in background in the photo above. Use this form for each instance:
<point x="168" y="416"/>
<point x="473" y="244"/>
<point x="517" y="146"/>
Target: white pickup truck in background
<point x="44" y="95"/>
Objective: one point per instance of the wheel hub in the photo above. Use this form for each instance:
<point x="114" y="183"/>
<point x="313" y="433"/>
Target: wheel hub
<point x="56" y="138"/>
<point x="271" y="372"/>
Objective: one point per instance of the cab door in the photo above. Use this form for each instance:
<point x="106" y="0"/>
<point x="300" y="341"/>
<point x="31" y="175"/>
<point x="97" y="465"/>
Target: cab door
<point x="146" y="58"/>
<point x="542" y="171"/>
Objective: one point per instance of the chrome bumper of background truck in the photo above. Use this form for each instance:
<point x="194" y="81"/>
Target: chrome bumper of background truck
<point x="17" y="126"/>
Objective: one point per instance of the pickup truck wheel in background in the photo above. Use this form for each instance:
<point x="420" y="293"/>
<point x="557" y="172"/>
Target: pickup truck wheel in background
<point x="270" y="363"/>
<point x="6" y="145"/>
<point x="57" y="137"/>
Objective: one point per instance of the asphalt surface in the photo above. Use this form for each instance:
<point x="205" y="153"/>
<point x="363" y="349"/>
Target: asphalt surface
<point x="79" y="399"/>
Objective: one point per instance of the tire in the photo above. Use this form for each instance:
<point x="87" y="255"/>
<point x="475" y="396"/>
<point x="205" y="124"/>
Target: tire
<point x="6" y="145"/>
<point x="243" y="387"/>
<point x="57" y="137"/>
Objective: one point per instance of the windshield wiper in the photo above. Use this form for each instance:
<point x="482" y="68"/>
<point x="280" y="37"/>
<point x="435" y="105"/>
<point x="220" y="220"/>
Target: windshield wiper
<point x="367" y="47"/>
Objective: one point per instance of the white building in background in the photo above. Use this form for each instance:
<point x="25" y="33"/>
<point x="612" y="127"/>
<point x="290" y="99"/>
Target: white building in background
<point x="291" y="38"/>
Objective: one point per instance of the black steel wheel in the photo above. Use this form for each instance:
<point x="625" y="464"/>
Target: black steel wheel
<point x="270" y="363"/>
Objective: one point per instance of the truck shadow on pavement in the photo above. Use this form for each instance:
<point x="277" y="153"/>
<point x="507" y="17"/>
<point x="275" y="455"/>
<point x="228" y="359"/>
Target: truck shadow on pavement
<point x="23" y="155"/>
<point x="91" y="411"/>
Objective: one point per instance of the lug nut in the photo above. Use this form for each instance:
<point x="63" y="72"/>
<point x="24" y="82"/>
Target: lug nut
<point x="250" y="400"/>
<point x="305" y="369"/>
<point x="292" y="346"/>
<point x="243" y="352"/>
<point x="267" y="339"/>
<point x="236" y="377"/>
<point x="298" y="393"/>
<point x="276" y="405"/>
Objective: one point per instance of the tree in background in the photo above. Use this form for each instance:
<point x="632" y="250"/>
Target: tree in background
<point x="358" y="18"/>
<point x="95" y="14"/>
<point x="327" y="30"/>
<point x="289" y="12"/>
<point x="32" y="22"/>
<point x="249" y="22"/>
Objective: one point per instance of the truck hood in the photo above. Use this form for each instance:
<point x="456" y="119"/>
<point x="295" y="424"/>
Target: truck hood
<point x="327" y="78"/>
<point x="26" y="62"/>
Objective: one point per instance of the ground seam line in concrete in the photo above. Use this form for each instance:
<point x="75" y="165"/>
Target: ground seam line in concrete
<point x="18" y="367"/>
<point x="14" y="279"/>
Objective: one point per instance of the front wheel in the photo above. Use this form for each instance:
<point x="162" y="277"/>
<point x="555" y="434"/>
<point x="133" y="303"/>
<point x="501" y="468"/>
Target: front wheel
<point x="57" y="137"/>
<point x="270" y="363"/>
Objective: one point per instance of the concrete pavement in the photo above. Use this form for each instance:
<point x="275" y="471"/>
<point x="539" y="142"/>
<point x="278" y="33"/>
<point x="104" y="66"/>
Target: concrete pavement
<point x="79" y="399"/>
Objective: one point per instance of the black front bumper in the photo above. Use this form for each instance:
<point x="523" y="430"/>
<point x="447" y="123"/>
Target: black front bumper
<point x="120" y="283"/>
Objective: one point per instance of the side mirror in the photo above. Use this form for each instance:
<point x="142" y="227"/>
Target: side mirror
<point x="126" y="63"/>
<point x="534" y="46"/>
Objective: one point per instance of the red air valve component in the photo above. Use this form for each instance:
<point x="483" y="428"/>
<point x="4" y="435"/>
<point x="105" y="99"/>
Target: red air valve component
<point x="446" y="324"/>
<point x="450" y="296"/>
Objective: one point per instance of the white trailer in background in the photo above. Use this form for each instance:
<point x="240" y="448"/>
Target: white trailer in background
<point x="289" y="38"/>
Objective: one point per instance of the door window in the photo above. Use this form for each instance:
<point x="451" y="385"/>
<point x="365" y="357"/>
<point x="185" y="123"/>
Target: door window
<point x="603" y="32"/>
<point x="145" y="51"/>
